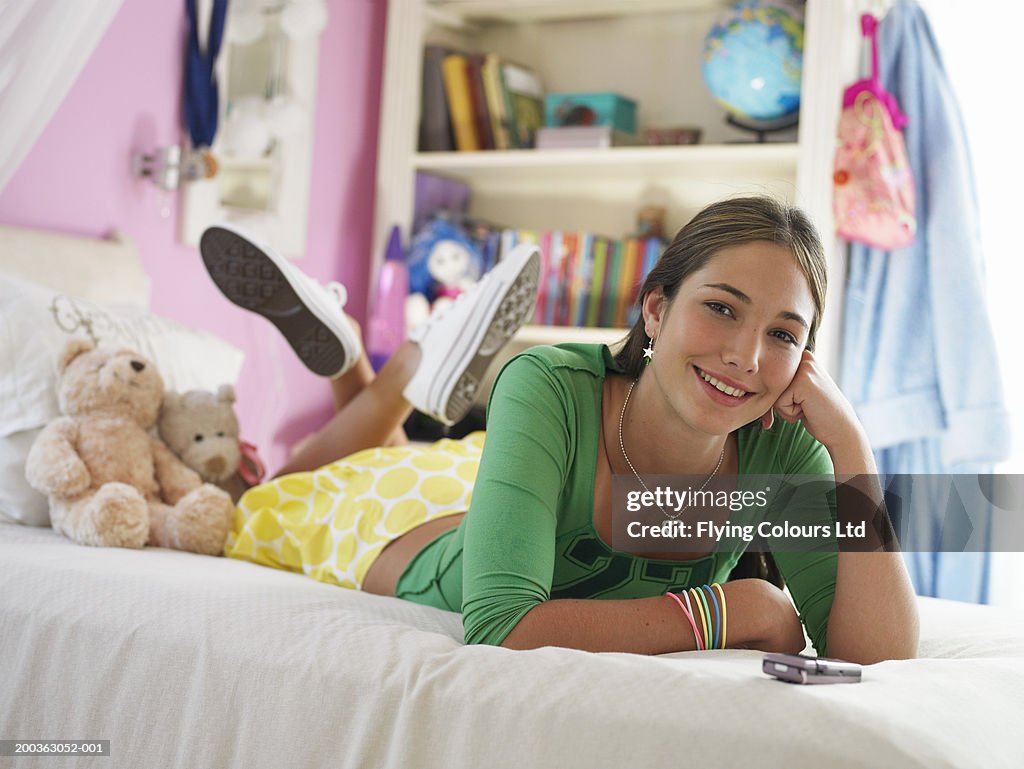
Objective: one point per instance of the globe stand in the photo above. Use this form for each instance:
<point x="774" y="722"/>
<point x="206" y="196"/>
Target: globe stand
<point x="764" y="127"/>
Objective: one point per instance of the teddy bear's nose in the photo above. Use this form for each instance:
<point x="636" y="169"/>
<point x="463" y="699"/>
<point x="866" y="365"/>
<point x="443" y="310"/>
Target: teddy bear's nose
<point x="138" y="366"/>
<point x="215" y="465"/>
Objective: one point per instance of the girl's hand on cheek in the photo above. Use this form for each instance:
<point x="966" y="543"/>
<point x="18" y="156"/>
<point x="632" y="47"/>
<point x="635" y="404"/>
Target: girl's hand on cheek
<point x="812" y="397"/>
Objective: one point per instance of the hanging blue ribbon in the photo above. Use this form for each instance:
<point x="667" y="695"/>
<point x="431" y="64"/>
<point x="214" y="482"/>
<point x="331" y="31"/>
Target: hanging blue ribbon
<point x="201" y="97"/>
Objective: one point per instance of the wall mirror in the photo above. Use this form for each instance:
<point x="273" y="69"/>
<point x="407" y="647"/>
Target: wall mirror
<point x="267" y="73"/>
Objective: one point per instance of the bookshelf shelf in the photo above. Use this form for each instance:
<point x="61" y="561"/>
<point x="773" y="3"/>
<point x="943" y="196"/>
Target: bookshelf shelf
<point x="585" y="165"/>
<point x="532" y="335"/>
<point x="523" y="11"/>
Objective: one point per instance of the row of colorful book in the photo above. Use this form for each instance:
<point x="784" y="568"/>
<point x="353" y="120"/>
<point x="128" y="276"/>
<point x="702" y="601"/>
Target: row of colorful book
<point x="587" y="279"/>
<point x="476" y="101"/>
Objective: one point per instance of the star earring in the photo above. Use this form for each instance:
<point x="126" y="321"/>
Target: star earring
<point x="648" y="352"/>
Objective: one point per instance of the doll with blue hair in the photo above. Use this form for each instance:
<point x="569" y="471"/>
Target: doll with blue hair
<point x="443" y="263"/>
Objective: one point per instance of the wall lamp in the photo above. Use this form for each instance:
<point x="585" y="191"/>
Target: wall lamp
<point x="168" y="167"/>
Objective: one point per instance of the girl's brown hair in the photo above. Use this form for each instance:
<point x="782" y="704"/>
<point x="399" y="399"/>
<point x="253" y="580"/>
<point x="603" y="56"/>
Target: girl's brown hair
<point x="730" y="222"/>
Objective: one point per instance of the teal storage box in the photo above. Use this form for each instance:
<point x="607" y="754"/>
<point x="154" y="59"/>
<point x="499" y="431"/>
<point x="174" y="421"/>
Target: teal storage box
<point x="609" y="109"/>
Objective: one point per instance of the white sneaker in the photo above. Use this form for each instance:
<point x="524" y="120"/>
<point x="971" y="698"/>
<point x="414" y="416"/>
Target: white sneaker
<point x="458" y="342"/>
<point x="254" y="276"/>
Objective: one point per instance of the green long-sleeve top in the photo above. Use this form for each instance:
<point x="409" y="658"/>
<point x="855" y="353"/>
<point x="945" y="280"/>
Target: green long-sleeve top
<point x="529" y="533"/>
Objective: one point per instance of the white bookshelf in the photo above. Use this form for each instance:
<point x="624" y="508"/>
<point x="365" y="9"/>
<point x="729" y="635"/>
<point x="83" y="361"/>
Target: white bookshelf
<point x="645" y="49"/>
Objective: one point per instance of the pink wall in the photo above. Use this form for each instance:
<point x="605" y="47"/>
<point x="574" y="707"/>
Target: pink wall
<point x="76" y="180"/>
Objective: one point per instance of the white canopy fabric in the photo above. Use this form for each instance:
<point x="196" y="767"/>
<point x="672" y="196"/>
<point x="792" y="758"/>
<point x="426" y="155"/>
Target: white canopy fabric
<point x="43" y="46"/>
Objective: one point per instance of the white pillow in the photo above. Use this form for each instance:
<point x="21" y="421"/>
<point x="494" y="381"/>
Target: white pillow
<point x="35" y="324"/>
<point x="19" y="502"/>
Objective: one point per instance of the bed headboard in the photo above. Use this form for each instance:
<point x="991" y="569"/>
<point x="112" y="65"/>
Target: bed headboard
<point x="106" y="270"/>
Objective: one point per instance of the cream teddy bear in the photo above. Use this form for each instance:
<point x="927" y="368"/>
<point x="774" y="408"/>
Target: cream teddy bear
<point x="110" y="482"/>
<point x="201" y="428"/>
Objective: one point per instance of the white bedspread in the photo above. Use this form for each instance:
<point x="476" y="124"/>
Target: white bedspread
<point x="189" y="661"/>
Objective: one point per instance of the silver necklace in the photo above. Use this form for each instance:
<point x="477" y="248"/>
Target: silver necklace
<point x="622" y="447"/>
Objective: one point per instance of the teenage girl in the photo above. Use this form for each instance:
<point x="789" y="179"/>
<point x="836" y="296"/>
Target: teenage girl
<point x="716" y="378"/>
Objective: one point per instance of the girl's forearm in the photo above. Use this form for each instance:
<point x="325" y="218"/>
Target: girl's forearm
<point x="657" y="625"/>
<point x="874" y="612"/>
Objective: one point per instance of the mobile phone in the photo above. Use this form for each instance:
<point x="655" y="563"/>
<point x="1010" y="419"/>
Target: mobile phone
<point x="802" y="669"/>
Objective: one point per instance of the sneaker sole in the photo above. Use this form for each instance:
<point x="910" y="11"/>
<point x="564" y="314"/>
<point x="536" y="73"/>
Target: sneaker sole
<point x="249" y="277"/>
<point x="514" y="306"/>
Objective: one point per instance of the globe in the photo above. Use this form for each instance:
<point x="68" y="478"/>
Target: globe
<point x="753" y="58"/>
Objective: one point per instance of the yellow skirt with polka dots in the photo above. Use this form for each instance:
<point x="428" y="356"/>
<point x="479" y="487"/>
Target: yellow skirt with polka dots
<point x="332" y="523"/>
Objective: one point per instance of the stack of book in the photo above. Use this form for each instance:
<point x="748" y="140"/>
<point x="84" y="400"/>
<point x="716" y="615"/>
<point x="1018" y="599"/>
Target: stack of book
<point x="475" y="101"/>
<point x="583" y="137"/>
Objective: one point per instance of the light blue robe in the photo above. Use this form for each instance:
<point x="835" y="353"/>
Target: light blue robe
<point x="918" y="357"/>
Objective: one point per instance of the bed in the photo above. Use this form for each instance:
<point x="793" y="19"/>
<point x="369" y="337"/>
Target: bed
<point x="181" y="660"/>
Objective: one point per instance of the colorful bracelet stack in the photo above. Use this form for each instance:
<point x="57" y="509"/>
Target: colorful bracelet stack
<point x="712" y="633"/>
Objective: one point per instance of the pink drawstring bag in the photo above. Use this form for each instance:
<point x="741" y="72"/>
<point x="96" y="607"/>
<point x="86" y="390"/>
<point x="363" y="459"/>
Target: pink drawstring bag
<point x="873" y="187"/>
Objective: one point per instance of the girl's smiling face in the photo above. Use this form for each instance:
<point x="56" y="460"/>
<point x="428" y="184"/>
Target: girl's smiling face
<point x="730" y="341"/>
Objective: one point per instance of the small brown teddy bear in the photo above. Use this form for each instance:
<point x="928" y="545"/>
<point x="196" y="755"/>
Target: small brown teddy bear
<point x="201" y="428"/>
<point x="109" y="481"/>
